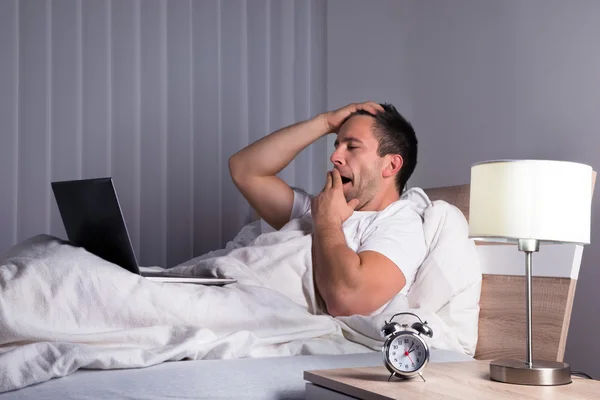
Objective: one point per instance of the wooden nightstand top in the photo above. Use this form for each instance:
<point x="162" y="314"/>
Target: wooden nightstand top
<point x="455" y="380"/>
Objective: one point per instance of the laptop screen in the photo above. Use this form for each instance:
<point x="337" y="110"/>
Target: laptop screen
<point x="93" y="219"/>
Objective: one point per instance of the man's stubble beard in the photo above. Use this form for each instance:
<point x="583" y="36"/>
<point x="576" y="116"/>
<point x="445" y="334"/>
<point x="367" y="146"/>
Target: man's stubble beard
<point x="367" y="187"/>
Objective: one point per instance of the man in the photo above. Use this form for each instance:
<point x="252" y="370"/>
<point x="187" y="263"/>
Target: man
<point x="367" y="241"/>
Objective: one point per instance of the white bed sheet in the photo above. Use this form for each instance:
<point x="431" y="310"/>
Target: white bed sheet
<point x="61" y="308"/>
<point x="276" y="378"/>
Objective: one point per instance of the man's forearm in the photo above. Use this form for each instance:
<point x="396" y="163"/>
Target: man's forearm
<point x="271" y="154"/>
<point x="336" y="268"/>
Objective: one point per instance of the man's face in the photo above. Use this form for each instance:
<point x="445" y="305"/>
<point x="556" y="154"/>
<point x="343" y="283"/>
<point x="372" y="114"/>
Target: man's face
<point x="355" y="157"/>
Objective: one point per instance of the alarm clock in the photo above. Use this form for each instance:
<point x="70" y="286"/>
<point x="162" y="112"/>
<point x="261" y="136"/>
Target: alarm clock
<point x="405" y="352"/>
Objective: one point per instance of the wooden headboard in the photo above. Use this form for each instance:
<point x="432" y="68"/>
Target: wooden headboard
<point x="502" y="325"/>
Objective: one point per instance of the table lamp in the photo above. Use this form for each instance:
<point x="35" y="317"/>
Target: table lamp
<point x="530" y="202"/>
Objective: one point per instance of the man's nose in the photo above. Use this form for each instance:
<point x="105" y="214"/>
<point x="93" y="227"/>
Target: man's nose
<point x="336" y="158"/>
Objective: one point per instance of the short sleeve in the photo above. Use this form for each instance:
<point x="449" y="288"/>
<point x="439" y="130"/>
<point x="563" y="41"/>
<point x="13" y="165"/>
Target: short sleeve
<point x="400" y="238"/>
<point x="301" y="205"/>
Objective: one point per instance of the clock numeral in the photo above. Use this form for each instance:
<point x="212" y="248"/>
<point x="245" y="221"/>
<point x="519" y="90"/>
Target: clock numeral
<point x="395" y="347"/>
<point x="418" y="347"/>
<point x="405" y="365"/>
<point x="418" y="360"/>
<point x="405" y="340"/>
<point x="395" y="359"/>
<point x="413" y="364"/>
<point x="419" y="353"/>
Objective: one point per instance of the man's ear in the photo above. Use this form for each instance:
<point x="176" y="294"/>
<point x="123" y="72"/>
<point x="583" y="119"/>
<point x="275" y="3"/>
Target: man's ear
<point x="393" y="164"/>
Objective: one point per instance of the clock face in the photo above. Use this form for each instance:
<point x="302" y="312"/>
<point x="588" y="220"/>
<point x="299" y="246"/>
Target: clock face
<point x="406" y="353"/>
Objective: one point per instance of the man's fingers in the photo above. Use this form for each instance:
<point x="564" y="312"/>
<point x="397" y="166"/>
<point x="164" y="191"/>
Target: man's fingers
<point x="354" y="203"/>
<point x="337" y="178"/>
<point x="371" y="107"/>
<point x="328" y="181"/>
<point x="376" y="106"/>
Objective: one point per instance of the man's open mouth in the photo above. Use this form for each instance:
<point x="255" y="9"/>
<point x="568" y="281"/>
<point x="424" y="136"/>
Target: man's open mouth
<point x="346" y="180"/>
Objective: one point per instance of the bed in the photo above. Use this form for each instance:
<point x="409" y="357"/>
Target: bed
<point x="501" y="334"/>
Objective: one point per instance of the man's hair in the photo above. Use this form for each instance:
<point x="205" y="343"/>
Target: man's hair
<point x="395" y="136"/>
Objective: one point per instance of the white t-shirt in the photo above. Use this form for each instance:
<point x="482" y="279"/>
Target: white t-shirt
<point x="396" y="232"/>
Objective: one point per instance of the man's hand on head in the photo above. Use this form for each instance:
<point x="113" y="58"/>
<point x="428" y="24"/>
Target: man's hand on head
<point x="336" y="118"/>
<point x="329" y="207"/>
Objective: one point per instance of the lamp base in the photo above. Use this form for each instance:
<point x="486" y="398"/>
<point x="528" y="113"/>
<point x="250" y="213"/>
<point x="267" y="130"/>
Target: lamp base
<point x="542" y="373"/>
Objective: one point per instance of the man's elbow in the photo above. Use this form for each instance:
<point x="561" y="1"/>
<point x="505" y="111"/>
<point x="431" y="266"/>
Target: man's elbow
<point x="338" y="310"/>
<point x="345" y="304"/>
<point x="235" y="168"/>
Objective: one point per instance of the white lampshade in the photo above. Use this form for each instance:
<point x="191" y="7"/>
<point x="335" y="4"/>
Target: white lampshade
<point x="549" y="201"/>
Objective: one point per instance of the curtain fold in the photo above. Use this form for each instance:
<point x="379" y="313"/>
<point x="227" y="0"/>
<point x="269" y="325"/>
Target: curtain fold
<point x="157" y="94"/>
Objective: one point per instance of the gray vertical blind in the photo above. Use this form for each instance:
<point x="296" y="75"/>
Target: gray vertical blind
<point x="157" y="94"/>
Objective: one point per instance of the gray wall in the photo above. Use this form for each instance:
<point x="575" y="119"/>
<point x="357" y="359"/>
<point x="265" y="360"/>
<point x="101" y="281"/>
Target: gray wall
<point x="366" y="54"/>
<point x="157" y="94"/>
<point x="484" y="80"/>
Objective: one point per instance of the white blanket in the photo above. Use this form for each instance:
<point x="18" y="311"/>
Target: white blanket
<point x="62" y="308"/>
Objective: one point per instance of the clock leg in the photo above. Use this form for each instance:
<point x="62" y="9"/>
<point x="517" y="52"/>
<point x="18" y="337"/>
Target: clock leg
<point x="421" y="375"/>
<point x="392" y="374"/>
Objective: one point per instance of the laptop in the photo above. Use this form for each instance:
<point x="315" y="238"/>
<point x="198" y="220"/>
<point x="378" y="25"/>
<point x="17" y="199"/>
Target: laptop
<point x="93" y="219"/>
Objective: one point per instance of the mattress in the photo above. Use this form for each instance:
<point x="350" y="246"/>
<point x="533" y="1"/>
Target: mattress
<point x="252" y="378"/>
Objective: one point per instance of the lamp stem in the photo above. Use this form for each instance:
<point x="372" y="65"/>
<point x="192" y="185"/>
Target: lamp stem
<point x="515" y="371"/>
<point x="528" y="256"/>
<point x="528" y="246"/>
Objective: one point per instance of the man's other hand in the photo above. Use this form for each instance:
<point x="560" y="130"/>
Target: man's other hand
<point x="336" y="118"/>
<point x="330" y="207"/>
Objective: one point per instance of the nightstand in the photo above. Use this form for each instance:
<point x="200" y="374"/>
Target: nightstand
<point x="454" y="380"/>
